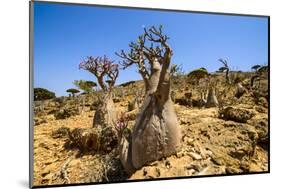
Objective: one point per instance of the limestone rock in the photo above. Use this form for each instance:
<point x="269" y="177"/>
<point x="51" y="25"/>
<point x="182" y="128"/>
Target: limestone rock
<point x="85" y="139"/>
<point x="236" y="114"/>
<point x="66" y="113"/>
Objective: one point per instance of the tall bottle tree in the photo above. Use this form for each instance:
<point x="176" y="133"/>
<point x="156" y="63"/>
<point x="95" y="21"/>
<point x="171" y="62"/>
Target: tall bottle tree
<point x="156" y="133"/>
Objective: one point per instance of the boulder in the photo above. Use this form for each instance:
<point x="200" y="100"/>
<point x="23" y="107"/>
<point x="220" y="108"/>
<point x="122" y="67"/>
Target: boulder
<point x="236" y="114"/>
<point x="85" y="139"/>
<point x="98" y="139"/>
<point x="261" y="126"/>
<point x="66" y="113"/>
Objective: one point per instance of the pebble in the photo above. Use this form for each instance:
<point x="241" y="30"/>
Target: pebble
<point x="195" y="155"/>
<point x="168" y="164"/>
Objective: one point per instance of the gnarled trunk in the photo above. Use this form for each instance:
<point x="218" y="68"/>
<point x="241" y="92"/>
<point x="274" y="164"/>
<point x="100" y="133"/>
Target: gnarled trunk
<point x="105" y="114"/>
<point x="156" y="133"/>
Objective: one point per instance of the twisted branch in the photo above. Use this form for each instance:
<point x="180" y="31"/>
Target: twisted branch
<point x="101" y="67"/>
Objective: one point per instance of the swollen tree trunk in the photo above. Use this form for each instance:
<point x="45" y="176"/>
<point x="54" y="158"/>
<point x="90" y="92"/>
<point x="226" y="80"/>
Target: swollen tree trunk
<point x="156" y="133"/>
<point x="212" y="100"/>
<point x="105" y="114"/>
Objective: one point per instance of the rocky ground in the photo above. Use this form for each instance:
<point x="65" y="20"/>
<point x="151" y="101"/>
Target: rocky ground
<point x="214" y="141"/>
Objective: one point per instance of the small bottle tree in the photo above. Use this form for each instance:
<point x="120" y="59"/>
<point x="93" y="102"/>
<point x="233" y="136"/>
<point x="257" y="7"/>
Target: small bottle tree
<point x="212" y="100"/>
<point x="199" y="75"/>
<point x="104" y="70"/>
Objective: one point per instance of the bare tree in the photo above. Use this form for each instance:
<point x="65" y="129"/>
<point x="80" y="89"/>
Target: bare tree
<point x="106" y="73"/>
<point x="156" y="133"/>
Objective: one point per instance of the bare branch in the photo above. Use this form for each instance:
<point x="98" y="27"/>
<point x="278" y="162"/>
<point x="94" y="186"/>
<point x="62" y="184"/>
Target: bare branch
<point x="150" y="46"/>
<point x="101" y="67"/>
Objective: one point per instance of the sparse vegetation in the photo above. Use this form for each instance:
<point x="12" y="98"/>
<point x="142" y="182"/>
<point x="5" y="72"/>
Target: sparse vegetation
<point x="217" y="122"/>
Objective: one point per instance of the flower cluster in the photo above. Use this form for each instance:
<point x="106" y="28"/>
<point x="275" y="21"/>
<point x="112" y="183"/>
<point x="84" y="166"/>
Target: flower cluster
<point x="121" y="124"/>
<point x="101" y="67"/>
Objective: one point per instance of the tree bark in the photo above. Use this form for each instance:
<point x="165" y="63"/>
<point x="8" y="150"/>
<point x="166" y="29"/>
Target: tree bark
<point x="212" y="100"/>
<point x="156" y="133"/>
<point x="105" y="114"/>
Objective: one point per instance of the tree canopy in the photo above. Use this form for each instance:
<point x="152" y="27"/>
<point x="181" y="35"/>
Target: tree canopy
<point x="86" y="86"/>
<point x="263" y="69"/>
<point x="103" y="68"/>
<point x="43" y="94"/>
<point x="151" y="54"/>
<point x="72" y="91"/>
<point x="198" y="74"/>
<point x="225" y="66"/>
<point x="256" y="67"/>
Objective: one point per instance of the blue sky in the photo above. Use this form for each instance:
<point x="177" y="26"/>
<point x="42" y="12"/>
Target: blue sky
<point x="65" y="34"/>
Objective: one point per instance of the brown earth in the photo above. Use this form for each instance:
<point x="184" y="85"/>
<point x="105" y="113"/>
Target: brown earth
<point x="211" y="144"/>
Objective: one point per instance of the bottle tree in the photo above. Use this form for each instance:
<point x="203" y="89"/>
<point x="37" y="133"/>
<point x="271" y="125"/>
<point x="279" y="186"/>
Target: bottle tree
<point x="156" y="133"/>
<point x="198" y="75"/>
<point x="104" y="70"/>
